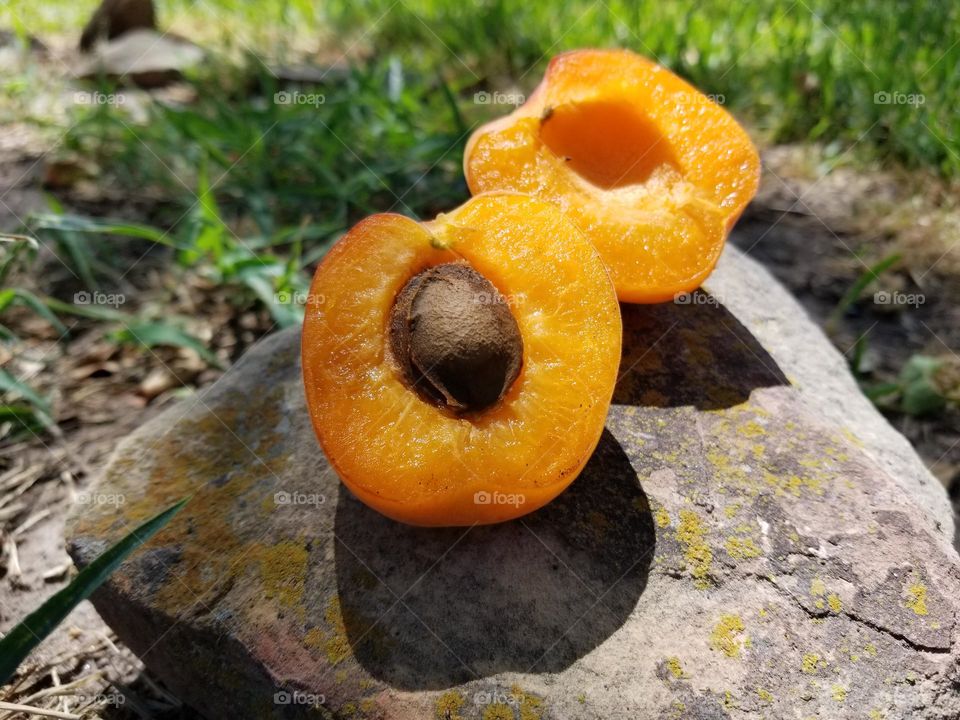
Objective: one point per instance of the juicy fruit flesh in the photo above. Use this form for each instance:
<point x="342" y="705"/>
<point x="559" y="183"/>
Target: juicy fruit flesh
<point x="421" y="464"/>
<point x="652" y="171"/>
<point x="455" y="339"/>
<point x="608" y="143"/>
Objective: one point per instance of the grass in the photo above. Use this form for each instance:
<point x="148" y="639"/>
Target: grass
<point x="878" y="73"/>
<point x="254" y="190"/>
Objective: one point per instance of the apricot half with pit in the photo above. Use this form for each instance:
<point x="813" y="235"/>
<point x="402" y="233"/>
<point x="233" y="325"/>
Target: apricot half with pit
<point x="459" y="371"/>
<point x="653" y="171"/>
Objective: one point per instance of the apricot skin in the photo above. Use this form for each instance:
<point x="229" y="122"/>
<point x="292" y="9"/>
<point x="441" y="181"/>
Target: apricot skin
<point x="424" y="465"/>
<point x="651" y="170"/>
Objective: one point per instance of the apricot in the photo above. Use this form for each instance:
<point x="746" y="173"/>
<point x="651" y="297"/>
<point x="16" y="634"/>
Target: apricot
<point x="651" y="170"/>
<point x="459" y="371"/>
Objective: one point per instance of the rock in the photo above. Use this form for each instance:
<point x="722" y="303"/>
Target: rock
<point x="113" y="18"/>
<point x="751" y="539"/>
<point x="143" y="57"/>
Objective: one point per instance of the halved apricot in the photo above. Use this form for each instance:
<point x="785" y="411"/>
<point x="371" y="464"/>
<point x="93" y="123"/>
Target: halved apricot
<point x="459" y="371"/>
<point x="652" y="170"/>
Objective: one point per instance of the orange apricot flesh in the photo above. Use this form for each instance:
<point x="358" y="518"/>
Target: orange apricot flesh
<point x="652" y="170"/>
<point x="424" y="464"/>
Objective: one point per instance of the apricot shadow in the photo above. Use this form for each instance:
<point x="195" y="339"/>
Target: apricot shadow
<point x="427" y="609"/>
<point x="695" y="353"/>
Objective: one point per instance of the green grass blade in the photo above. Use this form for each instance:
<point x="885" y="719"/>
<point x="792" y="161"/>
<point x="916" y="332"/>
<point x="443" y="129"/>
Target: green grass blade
<point x="866" y="278"/>
<point x="80" y="224"/>
<point x="151" y="334"/>
<point x="41" y="408"/>
<point x="35" y="627"/>
<point x="7" y="297"/>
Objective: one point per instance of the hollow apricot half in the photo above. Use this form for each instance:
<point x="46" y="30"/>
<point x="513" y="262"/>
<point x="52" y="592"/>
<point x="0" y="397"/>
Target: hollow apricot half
<point x="654" y="172"/>
<point x="400" y="447"/>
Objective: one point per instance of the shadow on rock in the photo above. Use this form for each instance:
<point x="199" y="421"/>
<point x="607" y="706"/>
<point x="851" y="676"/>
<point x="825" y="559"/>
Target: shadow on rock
<point x="695" y="353"/>
<point x="432" y="608"/>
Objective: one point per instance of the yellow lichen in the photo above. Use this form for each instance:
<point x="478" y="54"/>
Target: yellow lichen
<point x="917" y="598"/>
<point x="876" y="715"/>
<point x="283" y="568"/>
<point x="696" y="552"/>
<point x="811" y="662"/>
<point x="833" y="600"/>
<point x="726" y="635"/>
<point x="498" y="711"/>
<point x="662" y="517"/>
<point x="728" y="702"/>
<point x="675" y="668"/>
<point x="839" y="693"/>
<point x="870" y="649"/>
<point x="817" y="587"/>
<point x="336" y="643"/>
<point x="448" y="706"/>
<point x="742" y="548"/>
<point x="731" y="510"/>
<point x="765" y="695"/>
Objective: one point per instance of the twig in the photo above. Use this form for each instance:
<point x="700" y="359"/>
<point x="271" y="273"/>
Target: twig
<point x="32" y="520"/>
<point x="41" y="712"/>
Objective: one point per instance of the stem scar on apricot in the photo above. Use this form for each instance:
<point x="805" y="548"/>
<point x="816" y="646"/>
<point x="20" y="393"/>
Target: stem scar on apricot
<point x="454" y="338"/>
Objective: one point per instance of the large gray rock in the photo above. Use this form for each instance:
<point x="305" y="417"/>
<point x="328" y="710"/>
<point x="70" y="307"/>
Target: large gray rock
<point x="751" y="539"/>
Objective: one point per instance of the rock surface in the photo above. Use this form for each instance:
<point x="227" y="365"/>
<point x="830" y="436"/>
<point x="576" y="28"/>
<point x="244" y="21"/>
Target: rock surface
<point x="750" y="540"/>
<point x="146" y="58"/>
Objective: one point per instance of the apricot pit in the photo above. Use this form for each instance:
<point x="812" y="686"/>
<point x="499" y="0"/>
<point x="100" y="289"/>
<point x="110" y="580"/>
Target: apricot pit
<point x="455" y="338"/>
